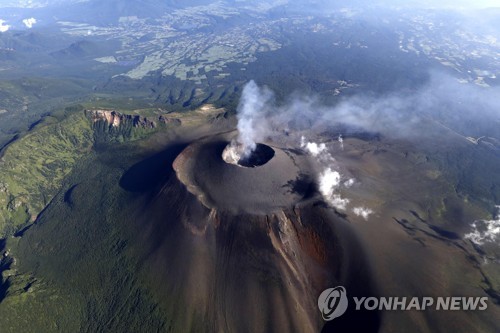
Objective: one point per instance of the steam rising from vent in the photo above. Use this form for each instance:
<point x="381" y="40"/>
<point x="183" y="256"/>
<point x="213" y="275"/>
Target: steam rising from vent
<point x="432" y="107"/>
<point x="485" y="231"/>
<point x="4" y="27"/>
<point x="329" y="180"/>
<point x="362" y="211"/>
<point x="251" y="109"/>
<point x="29" y="22"/>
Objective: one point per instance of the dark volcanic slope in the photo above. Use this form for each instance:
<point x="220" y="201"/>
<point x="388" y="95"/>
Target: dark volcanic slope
<point x="207" y="247"/>
<point x="242" y="250"/>
<point x="137" y="242"/>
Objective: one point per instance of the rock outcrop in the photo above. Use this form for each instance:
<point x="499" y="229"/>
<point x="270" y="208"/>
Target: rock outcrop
<point x="117" y="119"/>
<point x="111" y="125"/>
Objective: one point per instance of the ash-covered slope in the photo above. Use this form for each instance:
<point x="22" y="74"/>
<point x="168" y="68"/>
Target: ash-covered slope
<point x="235" y="249"/>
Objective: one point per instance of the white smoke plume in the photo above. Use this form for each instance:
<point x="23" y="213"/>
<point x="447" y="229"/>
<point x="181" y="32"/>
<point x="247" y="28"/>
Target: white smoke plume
<point x="420" y="114"/>
<point x="362" y="211"/>
<point x="329" y="180"/>
<point x="439" y="104"/>
<point x="313" y="148"/>
<point x="348" y="183"/>
<point x="254" y="105"/>
<point x="485" y="231"/>
<point x="4" y="27"/>
<point x="29" y="22"/>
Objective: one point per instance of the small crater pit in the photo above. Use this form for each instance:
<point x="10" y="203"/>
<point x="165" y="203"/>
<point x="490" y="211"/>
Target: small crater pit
<point x="259" y="156"/>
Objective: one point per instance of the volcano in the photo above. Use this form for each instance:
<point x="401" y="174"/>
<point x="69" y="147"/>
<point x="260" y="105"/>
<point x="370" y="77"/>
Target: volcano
<point x="248" y="246"/>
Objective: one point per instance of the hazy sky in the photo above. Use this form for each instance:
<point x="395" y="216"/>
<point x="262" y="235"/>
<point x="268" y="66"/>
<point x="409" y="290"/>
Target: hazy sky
<point x="451" y="4"/>
<point x="472" y="4"/>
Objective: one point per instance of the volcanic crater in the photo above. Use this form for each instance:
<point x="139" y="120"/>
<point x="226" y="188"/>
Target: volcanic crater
<point x="263" y="182"/>
<point x="260" y="155"/>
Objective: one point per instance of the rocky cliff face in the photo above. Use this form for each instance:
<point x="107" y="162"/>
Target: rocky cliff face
<point x="119" y="126"/>
<point x="116" y="119"/>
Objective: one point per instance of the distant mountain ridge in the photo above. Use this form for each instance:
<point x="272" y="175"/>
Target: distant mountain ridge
<point x="36" y="3"/>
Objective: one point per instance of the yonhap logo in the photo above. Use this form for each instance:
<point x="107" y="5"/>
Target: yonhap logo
<point x="333" y="303"/>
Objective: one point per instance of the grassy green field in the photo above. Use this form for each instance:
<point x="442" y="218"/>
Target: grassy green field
<point x="32" y="168"/>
